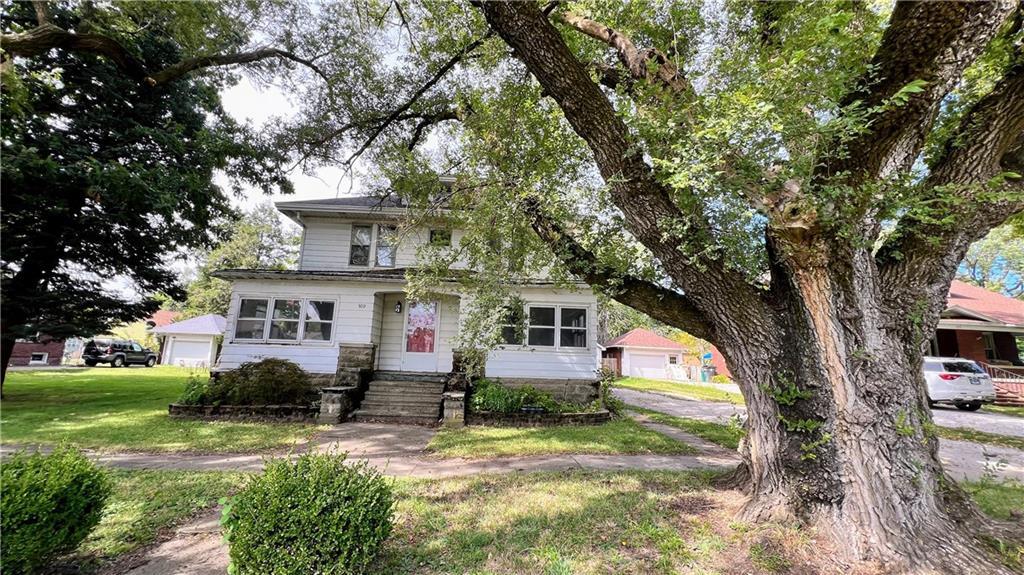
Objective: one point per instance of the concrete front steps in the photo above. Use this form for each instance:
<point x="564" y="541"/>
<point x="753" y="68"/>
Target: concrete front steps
<point x="403" y="397"/>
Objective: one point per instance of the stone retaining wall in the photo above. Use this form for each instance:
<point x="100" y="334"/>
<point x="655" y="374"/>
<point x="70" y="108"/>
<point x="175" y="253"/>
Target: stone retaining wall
<point x="566" y="390"/>
<point x="537" y="419"/>
<point x="281" y="413"/>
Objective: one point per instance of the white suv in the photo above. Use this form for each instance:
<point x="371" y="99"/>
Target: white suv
<point x="958" y="381"/>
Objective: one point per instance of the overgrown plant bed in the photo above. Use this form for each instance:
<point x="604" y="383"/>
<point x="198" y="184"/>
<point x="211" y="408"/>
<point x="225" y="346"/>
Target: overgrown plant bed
<point x="262" y="413"/>
<point x="531" y="419"/>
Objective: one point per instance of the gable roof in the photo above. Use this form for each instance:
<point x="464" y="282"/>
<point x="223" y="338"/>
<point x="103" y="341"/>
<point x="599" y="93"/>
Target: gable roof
<point x="984" y="303"/>
<point x="211" y="324"/>
<point x="640" y="337"/>
<point x="388" y="201"/>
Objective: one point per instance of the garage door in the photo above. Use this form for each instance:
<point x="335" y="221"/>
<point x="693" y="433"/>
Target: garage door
<point x="647" y="365"/>
<point x="190" y="353"/>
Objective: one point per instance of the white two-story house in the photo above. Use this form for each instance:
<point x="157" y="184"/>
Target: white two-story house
<point x="343" y="315"/>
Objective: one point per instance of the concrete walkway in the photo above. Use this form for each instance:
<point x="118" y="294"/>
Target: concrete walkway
<point x="962" y="459"/>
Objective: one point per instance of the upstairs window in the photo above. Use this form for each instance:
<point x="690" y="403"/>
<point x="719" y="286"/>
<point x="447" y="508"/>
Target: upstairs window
<point x="252" y="317"/>
<point x="440" y="238"/>
<point x="360" y="250"/>
<point x="386" y="240"/>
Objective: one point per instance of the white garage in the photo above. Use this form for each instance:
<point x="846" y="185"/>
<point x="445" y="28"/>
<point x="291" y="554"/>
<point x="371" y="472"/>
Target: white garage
<point x="192" y="342"/>
<point x="643" y="353"/>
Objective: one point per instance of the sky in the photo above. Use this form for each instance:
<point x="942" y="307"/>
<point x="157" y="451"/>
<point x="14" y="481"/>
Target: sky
<point x="245" y="102"/>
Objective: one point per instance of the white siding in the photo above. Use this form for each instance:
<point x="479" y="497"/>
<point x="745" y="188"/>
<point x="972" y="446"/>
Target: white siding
<point x="551" y="363"/>
<point x="392" y="340"/>
<point x="326" y="243"/>
<point x="353" y="322"/>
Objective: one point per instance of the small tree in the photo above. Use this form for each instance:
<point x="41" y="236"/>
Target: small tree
<point x="996" y="262"/>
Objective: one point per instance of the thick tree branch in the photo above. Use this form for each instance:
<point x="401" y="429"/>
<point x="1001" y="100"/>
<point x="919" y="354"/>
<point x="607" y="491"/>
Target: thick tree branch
<point x="929" y="42"/>
<point x="47" y="36"/>
<point x="988" y="142"/>
<point x="661" y="303"/>
<point x="636" y="60"/>
<point x="650" y="213"/>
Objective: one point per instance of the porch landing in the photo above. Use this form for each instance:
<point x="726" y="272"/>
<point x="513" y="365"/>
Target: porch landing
<point x="403" y="397"/>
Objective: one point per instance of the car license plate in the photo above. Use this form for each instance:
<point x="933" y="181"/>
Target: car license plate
<point x="975" y="381"/>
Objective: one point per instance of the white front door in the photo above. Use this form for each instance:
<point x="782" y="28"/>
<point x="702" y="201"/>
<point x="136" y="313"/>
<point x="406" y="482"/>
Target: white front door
<point x="419" y="349"/>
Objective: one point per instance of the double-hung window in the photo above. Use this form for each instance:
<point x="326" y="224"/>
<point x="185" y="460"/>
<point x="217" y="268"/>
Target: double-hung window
<point x="252" y="318"/>
<point x="386" y="243"/>
<point x="512" y="325"/>
<point x="284" y="319"/>
<point x="319" y="320"/>
<point x="359" y="254"/>
<point x="551" y="325"/>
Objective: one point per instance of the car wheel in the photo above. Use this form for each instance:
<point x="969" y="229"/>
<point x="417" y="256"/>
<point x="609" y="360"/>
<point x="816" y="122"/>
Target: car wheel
<point x="151" y="362"/>
<point x="90" y="363"/>
<point x="972" y="406"/>
<point x="118" y="362"/>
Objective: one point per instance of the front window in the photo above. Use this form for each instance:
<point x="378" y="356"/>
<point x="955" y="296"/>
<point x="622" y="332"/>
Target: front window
<point x="990" y="345"/>
<point x="673" y="360"/>
<point x="542" y="326"/>
<point x="512" y="325"/>
<point x="360" y="251"/>
<point x="319" y="320"/>
<point x="574" y="327"/>
<point x="285" y="322"/>
<point x="386" y="239"/>
<point x="252" y="318"/>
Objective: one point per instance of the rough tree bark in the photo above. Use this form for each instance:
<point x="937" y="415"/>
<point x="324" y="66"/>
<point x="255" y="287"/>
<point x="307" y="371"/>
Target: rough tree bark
<point x="828" y="357"/>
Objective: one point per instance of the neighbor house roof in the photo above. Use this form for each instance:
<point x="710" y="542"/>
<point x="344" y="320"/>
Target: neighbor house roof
<point x="640" y="337"/>
<point x="984" y="304"/>
<point x="211" y="324"/>
<point x="162" y="317"/>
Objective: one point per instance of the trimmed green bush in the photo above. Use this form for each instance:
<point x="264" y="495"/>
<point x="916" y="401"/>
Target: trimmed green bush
<point x="492" y="397"/>
<point x="48" y="505"/>
<point x="313" y="515"/>
<point x="267" y="382"/>
<point x="719" y="378"/>
<point x="196" y="391"/>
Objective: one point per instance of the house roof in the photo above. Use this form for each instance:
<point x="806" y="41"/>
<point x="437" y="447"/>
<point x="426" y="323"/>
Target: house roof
<point x="388" y="201"/>
<point x="211" y="324"/>
<point x="640" y="337"/>
<point x="394" y="275"/>
<point x="162" y="317"/>
<point x="984" y="304"/>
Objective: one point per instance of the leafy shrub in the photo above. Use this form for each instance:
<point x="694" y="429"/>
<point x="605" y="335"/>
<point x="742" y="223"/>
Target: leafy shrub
<point x="605" y="398"/>
<point x="719" y="378"/>
<point x="313" y="515"/>
<point x="489" y="396"/>
<point x="196" y="390"/>
<point x="48" y="505"/>
<point x="267" y="382"/>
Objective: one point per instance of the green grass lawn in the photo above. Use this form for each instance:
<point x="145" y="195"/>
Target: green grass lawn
<point x="583" y="522"/>
<point x="145" y="502"/>
<point x="123" y="410"/>
<point x="727" y="436"/>
<point x="967" y="434"/>
<point x="1004" y="410"/>
<point x="687" y="390"/>
<point x="621" y="436"/>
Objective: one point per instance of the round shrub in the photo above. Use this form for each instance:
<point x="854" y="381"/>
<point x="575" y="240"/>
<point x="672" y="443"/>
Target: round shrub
<point x="267" y="382"/>
<point x="719" y="378"/>
<point x="48" y="505"/>
<point x="313" y="515"/>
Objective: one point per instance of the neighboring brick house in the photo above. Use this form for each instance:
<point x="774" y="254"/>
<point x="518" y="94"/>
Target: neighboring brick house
<point x="42" y="350"/>
<point x="980" y="325"/>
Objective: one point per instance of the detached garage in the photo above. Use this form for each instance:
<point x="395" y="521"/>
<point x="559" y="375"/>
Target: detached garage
<point x="643" y="353"/>
<point x="191" y="343"/>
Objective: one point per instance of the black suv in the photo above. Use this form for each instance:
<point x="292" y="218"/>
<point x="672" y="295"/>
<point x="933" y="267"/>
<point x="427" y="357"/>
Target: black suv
<point x="117" y="352"/>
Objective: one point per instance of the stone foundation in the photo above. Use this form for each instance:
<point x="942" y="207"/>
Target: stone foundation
<point x="454" y="409"/>
<point x="336" y="403"/>
<point x="355" y="364"/>
<point x="567" y="390"/>
<point x="537" y="419"/>
<point x="281" y="413"/>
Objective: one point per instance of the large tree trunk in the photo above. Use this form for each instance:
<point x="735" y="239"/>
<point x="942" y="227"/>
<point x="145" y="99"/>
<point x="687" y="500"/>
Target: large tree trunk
<point x="839" y="434"/>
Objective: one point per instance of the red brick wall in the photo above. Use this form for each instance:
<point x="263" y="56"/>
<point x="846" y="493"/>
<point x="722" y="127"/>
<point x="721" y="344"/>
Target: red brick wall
<point x="23" y="352"/>
<point x="971" y="345"/>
